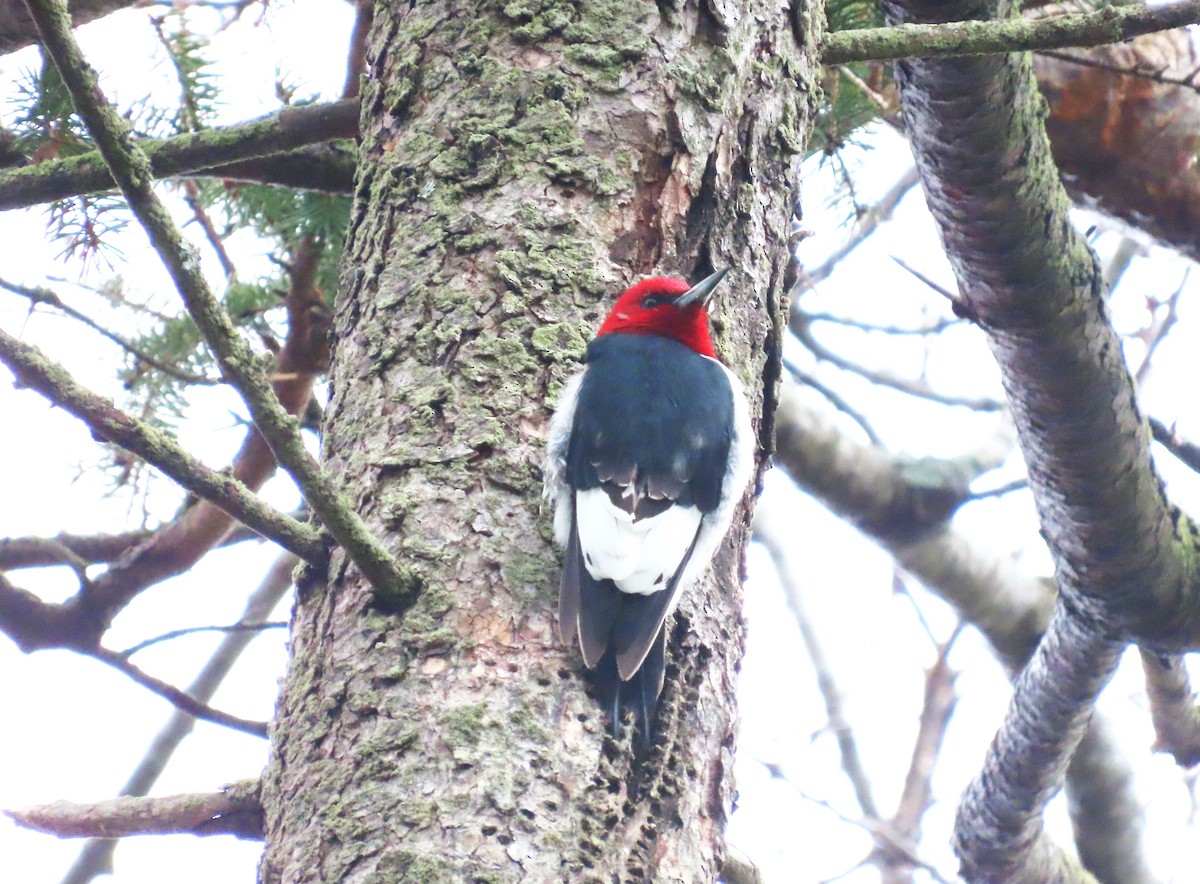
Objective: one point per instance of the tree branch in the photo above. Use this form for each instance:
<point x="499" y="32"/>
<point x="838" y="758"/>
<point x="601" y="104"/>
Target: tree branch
<point x="235" y="810"/>
<point x="939" y="702"/>
<point x="17" y="30"/>
<point x="1125" y="562"/>
<point x="131" y="170"/>
<point x="62" y="549"/>
<point x="801" y="327"/>
<point x="1122" y="552"/>
<point x="39" y="295"/>
<point x="178" y="698"/>
<point x="1172" y="708"/>
<point x="35" y="371"/>
<point x="864" y="485"/>
<point x="1186" y="452"/>
<point x="255" y="626"/>
<point x="225" y="152"/>
<point x="766" y="531"/>
<point x="1109" y="24"/>
<point x="96" y="856"/>
<point x="1106" y="810"/>
<point x="998" y="832"/>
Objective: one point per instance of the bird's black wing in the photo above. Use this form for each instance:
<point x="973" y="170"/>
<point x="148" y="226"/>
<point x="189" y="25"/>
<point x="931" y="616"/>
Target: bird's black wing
<point x="654" y="413"/>
<point x="568" y="587"/>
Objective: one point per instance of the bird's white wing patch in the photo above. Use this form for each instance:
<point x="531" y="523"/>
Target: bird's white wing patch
<point x="640" y="557"/>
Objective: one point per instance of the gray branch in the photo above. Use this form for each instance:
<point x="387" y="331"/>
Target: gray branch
<point x="233" y="811"/>
<point x="998" y="833"/>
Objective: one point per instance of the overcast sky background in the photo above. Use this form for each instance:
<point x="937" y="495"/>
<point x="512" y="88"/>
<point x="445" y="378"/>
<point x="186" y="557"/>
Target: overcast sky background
<point x="73" y="729"/>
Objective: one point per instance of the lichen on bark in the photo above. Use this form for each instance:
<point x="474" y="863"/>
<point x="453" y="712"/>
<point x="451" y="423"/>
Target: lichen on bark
<point x="520" y="164"/>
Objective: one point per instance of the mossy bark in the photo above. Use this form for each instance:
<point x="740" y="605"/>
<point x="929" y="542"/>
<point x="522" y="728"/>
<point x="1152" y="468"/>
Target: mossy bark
<point x="521" y="164"/>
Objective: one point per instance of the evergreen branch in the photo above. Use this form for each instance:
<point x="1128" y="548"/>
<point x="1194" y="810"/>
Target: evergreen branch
<point x="131" y="169"/>
<point x="235" y="810"/>
<point x="205" y="152"/>
<point x="34" y="370"/>
<point x="1109" y="24"/>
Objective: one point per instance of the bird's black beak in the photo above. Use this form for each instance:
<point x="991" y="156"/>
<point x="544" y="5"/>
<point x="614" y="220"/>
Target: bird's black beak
<point x="701" y="291"/>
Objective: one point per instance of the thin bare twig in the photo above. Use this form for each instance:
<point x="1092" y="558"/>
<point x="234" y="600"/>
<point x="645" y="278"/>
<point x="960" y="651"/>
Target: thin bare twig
<point x="1153" y="74"/>
<point x="911" y="387"/>
<point x="40" y="295"/>
<point x="1160" y="326"/>
<point x="940" y="700"/>
<point x="941" y="290"/>
<point x="240" y="626"/>
<point x="933" y="329"/>
<point x="835" y="399"/>
<point x="1187" y="453"/>
<point x="180" y="699"/>
<point x="879" y="830"/>
<point x="864" y="225"/>
<point x="851" y="760"/>
<point x="998" y="491"/>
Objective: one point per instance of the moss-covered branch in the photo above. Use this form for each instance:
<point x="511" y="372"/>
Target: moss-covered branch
<point x="35" y="371"/>
<point x="131" y="170"/>
<point x="228" y="152"/>
<point x="1110" y="24"/>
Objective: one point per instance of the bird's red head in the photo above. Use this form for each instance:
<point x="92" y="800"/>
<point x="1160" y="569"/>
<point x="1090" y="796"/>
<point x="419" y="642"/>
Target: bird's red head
<point x="667" y="307"/>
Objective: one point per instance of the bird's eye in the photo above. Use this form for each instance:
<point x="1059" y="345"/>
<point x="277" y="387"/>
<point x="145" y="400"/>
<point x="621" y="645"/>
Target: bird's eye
<point x="653" y="301"/>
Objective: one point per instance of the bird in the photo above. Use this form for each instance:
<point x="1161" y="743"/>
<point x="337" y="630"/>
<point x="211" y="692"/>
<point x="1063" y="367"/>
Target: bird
<point x="648" y="454"/>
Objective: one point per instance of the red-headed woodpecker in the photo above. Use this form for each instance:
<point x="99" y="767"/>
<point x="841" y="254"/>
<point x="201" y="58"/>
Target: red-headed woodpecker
<point x="649" y="452"/>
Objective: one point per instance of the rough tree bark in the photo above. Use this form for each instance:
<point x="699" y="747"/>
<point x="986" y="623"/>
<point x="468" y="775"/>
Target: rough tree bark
<point x="520" y="164"/>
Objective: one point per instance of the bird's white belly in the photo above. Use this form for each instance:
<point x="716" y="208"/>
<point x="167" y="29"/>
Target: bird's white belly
<point x="640" y="557"/>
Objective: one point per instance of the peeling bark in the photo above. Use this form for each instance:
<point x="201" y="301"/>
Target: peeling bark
<point x="1126" y="143"/>
<point x="519" y="166"/>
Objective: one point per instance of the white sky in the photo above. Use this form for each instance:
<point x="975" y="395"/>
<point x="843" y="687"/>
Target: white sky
<point x="74" y="729"/>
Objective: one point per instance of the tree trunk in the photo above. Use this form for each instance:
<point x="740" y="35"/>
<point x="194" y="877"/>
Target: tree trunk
<point x="520" y="165"/>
